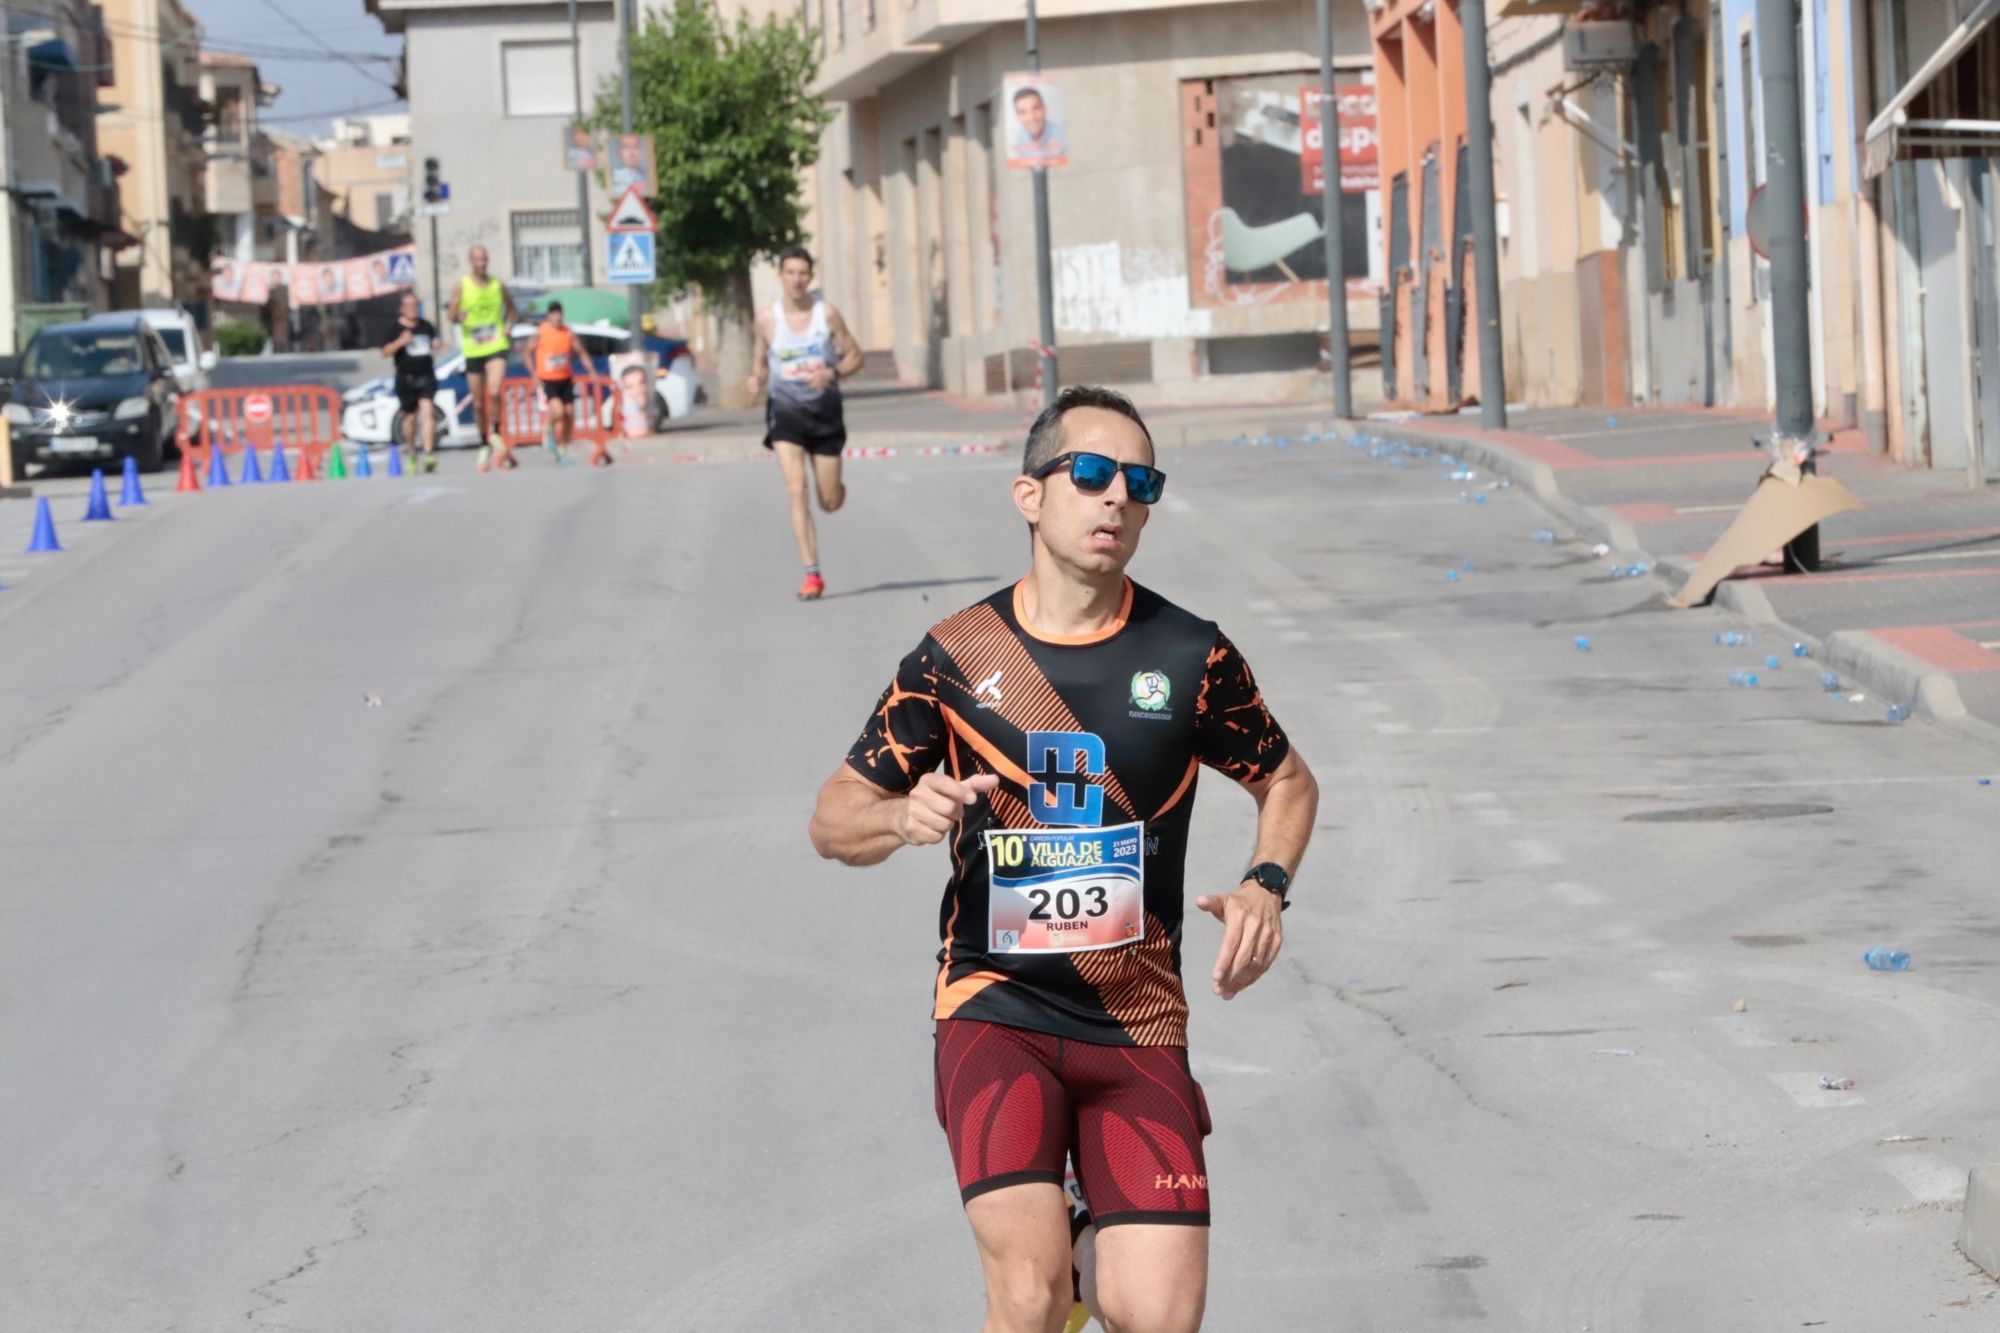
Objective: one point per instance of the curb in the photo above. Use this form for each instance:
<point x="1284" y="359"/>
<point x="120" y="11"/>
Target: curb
<point x="1888" y="671"/>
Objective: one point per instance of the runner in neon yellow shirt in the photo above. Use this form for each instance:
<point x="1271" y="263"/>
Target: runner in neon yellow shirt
<point x="484" y="311"/>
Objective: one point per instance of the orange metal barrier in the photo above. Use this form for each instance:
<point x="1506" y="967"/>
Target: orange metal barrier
<point x="521" y="411"/>
<point x="301" y="417"/>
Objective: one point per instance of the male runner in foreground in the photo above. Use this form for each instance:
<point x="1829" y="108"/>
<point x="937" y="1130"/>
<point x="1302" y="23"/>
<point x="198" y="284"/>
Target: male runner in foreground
<point x="1052" y="734"/>
<point x="803" y="348"/>
<point x="484" y="312"/>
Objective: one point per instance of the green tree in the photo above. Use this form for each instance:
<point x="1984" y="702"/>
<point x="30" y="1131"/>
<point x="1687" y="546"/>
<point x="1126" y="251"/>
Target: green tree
<point x="733" y="122"/>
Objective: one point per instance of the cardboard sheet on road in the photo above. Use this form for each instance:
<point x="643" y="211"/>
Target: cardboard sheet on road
<point x="1778" y="511"/>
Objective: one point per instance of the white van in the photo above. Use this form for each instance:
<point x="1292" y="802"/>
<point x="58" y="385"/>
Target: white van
<point x="177" y="330"/>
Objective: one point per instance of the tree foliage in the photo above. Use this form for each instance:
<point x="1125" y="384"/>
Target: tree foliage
<point x="733" y="121"/>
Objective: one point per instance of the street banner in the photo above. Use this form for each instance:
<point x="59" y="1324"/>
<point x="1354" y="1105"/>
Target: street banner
<point x="1360" y="168"/>
<point x="1036" y="129"/>
<point x="225" y="281"/>
<point x="329" y="282"/>
<point x="632" y="164"/>
<point x="582" y="150"/>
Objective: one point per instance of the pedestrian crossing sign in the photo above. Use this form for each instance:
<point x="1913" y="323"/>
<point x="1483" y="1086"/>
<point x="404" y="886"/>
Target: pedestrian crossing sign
<point x="402" y="268"/>
<point x="631" y="257"/>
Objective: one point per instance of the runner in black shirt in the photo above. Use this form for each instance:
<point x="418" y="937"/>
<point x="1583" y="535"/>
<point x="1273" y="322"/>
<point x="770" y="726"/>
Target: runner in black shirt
<point x="1053" y="735"/>
<point x="416" y="380"/>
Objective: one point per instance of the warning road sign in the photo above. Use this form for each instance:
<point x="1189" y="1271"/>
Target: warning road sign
<point x="631" y="257"/>
<point x="631" y="214"/>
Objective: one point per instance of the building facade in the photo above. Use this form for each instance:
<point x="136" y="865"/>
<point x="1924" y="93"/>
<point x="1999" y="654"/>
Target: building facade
<point x="1630" y="166"/>
<point x="155" y="126"/>
<point x="1185" y="230"/>
<point x="59" y="214"/>
<point x="367" y="167"/>
<point x="492" y="88"/>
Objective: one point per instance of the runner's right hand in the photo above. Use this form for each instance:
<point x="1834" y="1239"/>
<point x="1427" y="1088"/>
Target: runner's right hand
<point x="935" y="804"/>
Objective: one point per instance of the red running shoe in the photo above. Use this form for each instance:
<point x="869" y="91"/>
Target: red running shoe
<point x="812" y="589"/>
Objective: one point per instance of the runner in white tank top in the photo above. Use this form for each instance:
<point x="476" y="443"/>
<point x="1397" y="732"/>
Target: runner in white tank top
<point x="802" y="367"/>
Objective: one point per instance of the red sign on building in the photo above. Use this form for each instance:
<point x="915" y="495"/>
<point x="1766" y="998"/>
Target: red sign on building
<point x="1359" y="169"/>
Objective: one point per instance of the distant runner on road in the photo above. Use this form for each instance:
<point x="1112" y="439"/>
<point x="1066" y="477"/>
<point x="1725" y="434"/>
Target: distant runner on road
<point x="803" y="348"/>
<point x="484" y="311"/>
<point x="416" y="380"/>
<point x="552" y="359"/>
<point x="1053" y="735"/>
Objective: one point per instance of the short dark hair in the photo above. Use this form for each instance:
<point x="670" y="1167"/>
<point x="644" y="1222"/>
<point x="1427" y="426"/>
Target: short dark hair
<point x="796" y="252"/>
<point x="1045" y="437"/>
<point x="1030" y="91"/>
<point x="555" y="308"/>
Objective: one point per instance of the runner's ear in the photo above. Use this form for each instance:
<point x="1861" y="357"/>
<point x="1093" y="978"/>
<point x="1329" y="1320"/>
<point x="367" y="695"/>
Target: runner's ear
<point x="1028" y="499"/>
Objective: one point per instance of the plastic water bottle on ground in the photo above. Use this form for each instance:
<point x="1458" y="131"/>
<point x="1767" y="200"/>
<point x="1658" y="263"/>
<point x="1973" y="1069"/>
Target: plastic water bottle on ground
<point x="1746" y="680"/>
<point x="1451" y="576"/>
<point x="1829" y="682"/>
<point x="1544" y="536"/>
<point x="1732" y="638"/>
<point x="1800" y="650"/>
<point x="1771" y="661"/>
<point x="1899" y="713"/>
<point x="1583" y="645"/>
<point x="1884" y="959"/>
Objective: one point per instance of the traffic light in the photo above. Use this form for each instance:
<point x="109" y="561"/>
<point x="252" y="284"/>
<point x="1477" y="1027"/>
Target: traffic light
<point x="433" y="186"/>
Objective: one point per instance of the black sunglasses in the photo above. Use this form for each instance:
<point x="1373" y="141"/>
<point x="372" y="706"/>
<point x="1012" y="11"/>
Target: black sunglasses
<point x="1092" y="474"/>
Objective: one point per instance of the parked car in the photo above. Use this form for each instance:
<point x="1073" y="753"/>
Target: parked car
<point x="97" y="390"/>
<point x="177" y="330"/>
<point x="369" y="412"/>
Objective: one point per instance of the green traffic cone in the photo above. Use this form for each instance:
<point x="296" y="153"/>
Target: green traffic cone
<point x="336" y="464"/>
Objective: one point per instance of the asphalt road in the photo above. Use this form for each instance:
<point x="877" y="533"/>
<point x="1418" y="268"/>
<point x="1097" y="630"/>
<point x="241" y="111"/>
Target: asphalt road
<point x="517" y="1001"/>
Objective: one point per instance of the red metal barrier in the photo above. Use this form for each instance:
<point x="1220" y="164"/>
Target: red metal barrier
<point x="521" y="411"/>
<point x="301" y="417"/>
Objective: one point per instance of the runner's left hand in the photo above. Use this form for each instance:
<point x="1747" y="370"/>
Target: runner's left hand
<point x="819" y="377"/>
<point x="1252" y="934"/>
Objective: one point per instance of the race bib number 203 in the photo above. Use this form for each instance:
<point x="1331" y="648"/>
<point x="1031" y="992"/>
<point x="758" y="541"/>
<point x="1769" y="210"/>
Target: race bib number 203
<point x="1065" y="890"/>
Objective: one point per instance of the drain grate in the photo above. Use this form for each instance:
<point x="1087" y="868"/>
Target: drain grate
<point x="1727" y="814"/>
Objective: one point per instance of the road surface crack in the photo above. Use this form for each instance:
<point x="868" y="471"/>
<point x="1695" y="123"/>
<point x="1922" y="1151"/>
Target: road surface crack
<point x="1353" y="1001"/>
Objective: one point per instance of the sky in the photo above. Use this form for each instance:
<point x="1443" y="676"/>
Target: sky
<point x="317" y="84"/>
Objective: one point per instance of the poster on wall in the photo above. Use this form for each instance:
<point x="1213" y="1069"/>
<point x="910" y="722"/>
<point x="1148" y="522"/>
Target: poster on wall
<point x="1360" y="169"/>
<point x="1037" y="131"/>
<point x="1256" y="233"/>
<point x="225" y="280"/>
<point x="256" y="284"/>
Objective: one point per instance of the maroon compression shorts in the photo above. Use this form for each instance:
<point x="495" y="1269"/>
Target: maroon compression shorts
<point x="1013" y="1103"/>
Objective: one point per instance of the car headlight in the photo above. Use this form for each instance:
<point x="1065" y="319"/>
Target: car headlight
<point x="132" y="408"/>
<point x="19" y="415"/>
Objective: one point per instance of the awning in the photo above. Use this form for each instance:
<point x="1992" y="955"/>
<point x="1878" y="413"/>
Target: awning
<point x="1951" y="105"/>
<point x="53" y="53"/>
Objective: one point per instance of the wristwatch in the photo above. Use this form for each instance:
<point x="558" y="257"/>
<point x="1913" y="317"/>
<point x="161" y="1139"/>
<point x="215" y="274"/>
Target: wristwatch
<point x="1272" y="876"/>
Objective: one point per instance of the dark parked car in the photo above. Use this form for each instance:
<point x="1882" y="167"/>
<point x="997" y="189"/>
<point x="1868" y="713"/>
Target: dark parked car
<point x="98" y="390"/>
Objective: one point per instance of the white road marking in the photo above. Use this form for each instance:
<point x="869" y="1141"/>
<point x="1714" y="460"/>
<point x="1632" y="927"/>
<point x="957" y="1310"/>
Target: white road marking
<point x="1536" y="852"/>
<point x="1802" y="1086"/>
<point x="1707" y="509"/>
<point x="1743" y="1032"/>
<point x="1928" y="1178"/>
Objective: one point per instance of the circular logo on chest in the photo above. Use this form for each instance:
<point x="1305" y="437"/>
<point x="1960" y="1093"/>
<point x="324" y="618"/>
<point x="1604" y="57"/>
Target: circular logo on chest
<point x="1151" y="690"/>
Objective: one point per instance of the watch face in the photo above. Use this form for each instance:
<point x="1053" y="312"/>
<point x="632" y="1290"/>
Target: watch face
<point x="1272" y="877"/>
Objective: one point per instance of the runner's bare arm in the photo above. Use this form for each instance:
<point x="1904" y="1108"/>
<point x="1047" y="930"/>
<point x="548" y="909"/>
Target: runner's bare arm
<point x="511" y="311"/>
<point x="859" y="824"/>
<point x="451" y="309"/>
<point x="1253" y="931"/>
<point x="760" y="347"/>
<point x="843" y="341"/>
<point x="398" y="342"/>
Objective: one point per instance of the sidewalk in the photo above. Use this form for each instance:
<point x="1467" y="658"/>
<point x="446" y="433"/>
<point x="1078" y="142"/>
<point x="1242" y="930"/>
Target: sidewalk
<point x="1907" y="600"/>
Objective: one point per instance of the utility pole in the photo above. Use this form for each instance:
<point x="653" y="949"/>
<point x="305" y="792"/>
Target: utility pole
<point x="1485" y="228"/>
<point x="1045" y="281"/>
<point x="635" y="299"/>
<point x="1785" y="180"/>
<point x="437" y="281"/>
<point x="582" y="177"/>
<point x="1331" y="216"/>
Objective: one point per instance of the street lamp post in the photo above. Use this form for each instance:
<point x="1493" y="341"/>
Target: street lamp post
<point x="582" y="177"/>
<point x="1045" y="285"/>
<point x="1331" y="215"/>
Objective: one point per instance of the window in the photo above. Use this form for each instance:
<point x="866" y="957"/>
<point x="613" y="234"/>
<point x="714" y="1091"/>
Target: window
<point x="548" y="246"/>
<point x="385" y="210"/>
<point x="536" y="78"/>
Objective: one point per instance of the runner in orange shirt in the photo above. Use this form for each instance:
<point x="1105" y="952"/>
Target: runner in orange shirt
<point x="552" y="359"/>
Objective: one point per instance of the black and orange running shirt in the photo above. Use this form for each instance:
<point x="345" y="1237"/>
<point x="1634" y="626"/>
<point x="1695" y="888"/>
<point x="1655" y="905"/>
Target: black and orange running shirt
<point x="1063" y="910"/>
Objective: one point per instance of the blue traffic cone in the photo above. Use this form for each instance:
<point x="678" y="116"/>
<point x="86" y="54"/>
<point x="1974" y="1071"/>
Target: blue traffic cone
<point x="218" y="467"/>
<point x="132" y="495"/>
<point x="252" y="472"/>
<point x="361" y="468"/>
<point x="280" y="470"/>
<point x="99" y="509"/>
<point x="45" y="529"/>
<point x="395" y="461"/>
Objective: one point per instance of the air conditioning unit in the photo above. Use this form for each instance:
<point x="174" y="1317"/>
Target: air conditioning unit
<point x="1599" y="43"/>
